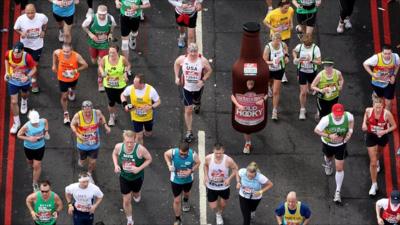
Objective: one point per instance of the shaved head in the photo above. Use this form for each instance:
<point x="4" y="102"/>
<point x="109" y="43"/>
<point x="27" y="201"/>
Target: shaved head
<point x="291" y="200"/>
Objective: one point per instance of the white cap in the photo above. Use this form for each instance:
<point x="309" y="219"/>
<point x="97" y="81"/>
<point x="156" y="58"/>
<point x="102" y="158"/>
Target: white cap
<point x="33" y="116"/>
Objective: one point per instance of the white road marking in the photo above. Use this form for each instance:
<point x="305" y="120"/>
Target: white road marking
<point x="199" y="32"/>
<point x="202" y="189"/>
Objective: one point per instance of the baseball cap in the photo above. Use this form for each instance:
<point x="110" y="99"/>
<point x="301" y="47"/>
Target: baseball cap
<point x="395" y="197"/>
<point x="338" y="109"/>
<point x="18" y="47"/>
<point x="328" y="62"/>
<point x="33" y="116"/>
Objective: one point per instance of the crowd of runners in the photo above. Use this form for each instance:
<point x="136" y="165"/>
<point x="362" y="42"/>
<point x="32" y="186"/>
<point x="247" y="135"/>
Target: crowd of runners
<point x="316" y="74"/>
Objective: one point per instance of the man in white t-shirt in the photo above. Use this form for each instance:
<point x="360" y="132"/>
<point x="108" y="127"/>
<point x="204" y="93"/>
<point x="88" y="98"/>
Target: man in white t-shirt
<point x="143" y="100"/>
<point x="32" y="27"/>
<point x="83" y="198"/>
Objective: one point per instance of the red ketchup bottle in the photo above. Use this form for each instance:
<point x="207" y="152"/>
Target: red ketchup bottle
<point x="250" y="69"/>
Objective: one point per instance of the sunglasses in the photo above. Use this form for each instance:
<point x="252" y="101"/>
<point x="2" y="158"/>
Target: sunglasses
<point x="45" y="191"/>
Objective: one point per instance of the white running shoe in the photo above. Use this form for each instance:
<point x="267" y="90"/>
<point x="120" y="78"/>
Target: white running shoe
<point x="219" y="219"/>
<point x="347" y="23"/>
<point x="142" y="16"/>
<point x="111" y="121"/>
<point x="253" y="215"/>
<point x="337" y="198"/>
<point x="66" y="118"/>
<point x="247" y="149"/>
<point x="373" y="189"/>
<point x="35" y="187"/>
<point x="71" y="94"/>
<point x="89" y="12"/>
<point x="378" y="167"/>
<point x="130" y="223"/>
<point x="90" y="178"/>
<point x="302" y="114"/>
<point x="185" y="206"/>
<point x="15" y="127"/>
<point x="137" y="199"/>
<point x="181" y="42"/>
<point x="328" y="169"/>
<point x="340" y="28"/>
<point x="274" y="114"/>
<point x="284" y="78"/>
<point x="132" y="42"/>
<point x="60" y="36"/>
<point x="24" y="106"/>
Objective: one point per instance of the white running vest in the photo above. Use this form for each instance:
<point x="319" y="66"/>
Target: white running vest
<point x="192" y="73"/>
<point x="276" y="55"/>
<point x="217" y="173"/>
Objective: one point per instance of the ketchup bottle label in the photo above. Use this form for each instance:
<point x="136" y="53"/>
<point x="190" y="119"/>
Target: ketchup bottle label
<point x="250" y="69"/>
<point x="253" y="114"/>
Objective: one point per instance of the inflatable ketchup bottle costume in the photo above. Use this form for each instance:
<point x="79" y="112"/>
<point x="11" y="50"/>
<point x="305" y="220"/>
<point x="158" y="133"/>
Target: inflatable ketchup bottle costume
<point x="249" y="85"/>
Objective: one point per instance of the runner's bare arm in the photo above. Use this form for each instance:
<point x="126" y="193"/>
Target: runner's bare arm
<point x="44" y="29"/>
<point x="341" y="81"/>
<point x="147" y="157"/>
<point x="297" y="5"/>
<point x="350" y="131"/>
<point x="29" y="202"/>
<point x="197" y="162"/>
<point x="168" y="158"/>
<point x="82" y="63"/>
<point x="205" y="168"/>
<point x="316" y="82"/>
<point x="21" y="133"/>
<point x="114" y="155"/>
<point x="392" y="122"/>
<point x="208" y="69"/>
<point x="233" y="166"/>
<point x="266" y="55"/>
<point x="364" y="126"/>
<point x="59" y="203"/>
<point x="103" y="121"/>
<point x="177" y="67"/>
<point x="55" y="60"/>
<point x="101" y="67"/>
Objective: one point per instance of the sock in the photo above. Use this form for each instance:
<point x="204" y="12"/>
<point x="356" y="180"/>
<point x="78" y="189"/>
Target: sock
<point x="129" y="218"/>
<point x="248" y="142"/>
<point x="185" y="199"/>
<point x="375" y="184"/>
<point x="339" y="176"/>
<point x="16" y="120"/>
<point x="270" y="8"/>
<point x="182" y="35"/>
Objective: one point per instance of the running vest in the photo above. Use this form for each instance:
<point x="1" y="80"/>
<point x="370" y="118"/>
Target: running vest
<point x="138" y="114"/>
<point x="180" y="164"/>
<point x="307" y="67"/>
<point x="276" y="54"/>
<point x="35" y="131"/>
<point x="332" y="83"/>
<point x="383" y="69"/>
<point x="115" y="74"/>
<point x="67" y="68"/>
<point x="189" y="10"/>
<point x="127" y="160"/>
<point x="217" y="173"/>
<point x="293" y="219"/>
<point x="90" y="131"/>
<point x="340" y="129"/>
<point x="307" y="6"/>
<point x="126" y="8"/>
<point x="64" y="11"/>
<point x="375" y="125"/>
<point x="389" y="215"/>
<point x="18" y="70"/>
<point x="192" y="73"/>
<point x="101" y="32"/>
<point x="45" y="209"/>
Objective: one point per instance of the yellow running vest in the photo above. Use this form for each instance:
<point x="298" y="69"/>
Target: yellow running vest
<point x="293" y="219"/>
<point x="137" y="114"/>
<point x="115" y="74"/>
<point x="383" y="69"/>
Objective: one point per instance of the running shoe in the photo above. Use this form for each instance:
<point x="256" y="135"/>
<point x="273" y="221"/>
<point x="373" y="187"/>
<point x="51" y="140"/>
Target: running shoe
<point x="132" y="42"/>
<point x="274" y="114"/>
<point x="270" y="93"/>
<point x="316" y="117"/>
<point x="60" y="36"/>
<point x="219" y="219"/>
<point x="299" y="32"/>
<point x="130" y="223"/>
<point x="378" y="167"/>
<point x="337" y="198"/>
<point x="347" y="23"/>
<point x="181" y="42"/>
<point x="185" y="206"/>
<point x="89" y="12"/>
<point x="71" y="94"/>
<point x="35" y="88"/>
<point x="35" y="187"/>
<point x="373" y="189"/>
<point x="111" y="121"/>
<point x="66" y="118"/>
<point x="253" y="215"/>
<point x="302" y="114"/>
<point x="142" y="16"/>
<point x="247" y="148"/>
<point x="196" y="109"/>
<point x="137" y="199"/>
<point x="340" y="27"/>
<point x="24" y="106"/>
<point x="15" y="127"/>
<point x="328" y="169"/>
<point x="284" y="78"/>
<point x="90" y="178"/>
<point x="189" y="137"/>
<point x="178" y="222"/>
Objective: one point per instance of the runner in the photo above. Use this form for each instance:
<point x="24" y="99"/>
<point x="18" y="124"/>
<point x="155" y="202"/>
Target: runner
<point x="378" y="123"/>
<point x="388" y="210"/>
<point x="181" y="162"/>
<point x="63" y="12"/>
<point x="143" y="100"/>
<point x="83" y="198"/>
<point x="335" y="130"/>
<point x="131" y="11"/>
<point x="195" y="72"/>
<point x="19" y="67"/>
<point x="292" y="212"/>
<point x="130" y="159"/>
<point x="346" y="9"/>
<point x="86" y="126"/>
<point x="306" y="11"/>
<point x="247" y="136"/>
<point x="32" y="27"/>
<point x="34" y="133"/>
<point x="99" y="28"/>
<point x="44" y="205"/>
<point x="307" y="57"/>
<point x="252" y="184"/>
<point x="114" y="69"/>
<point x="280" y="20"/>
<point x="328" y="84"/>
<point x="276" y="56"/>
<point x="385" y="66"/>
<point x="186" y="17"/>
<point x="219" y="170"/>
<point x="67" y="64"/>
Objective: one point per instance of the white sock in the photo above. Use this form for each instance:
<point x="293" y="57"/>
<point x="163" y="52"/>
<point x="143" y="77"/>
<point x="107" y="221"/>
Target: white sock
<point x="375" y="184"/>
<point x="270" y="8"/>
<point x="16" y="120"/>
<point x="339" y="176"/>
<point x="24" y="101"/>
<point x="129" y="218"/>
<point x="248" y="142"/>
<point x="182" y="35"/>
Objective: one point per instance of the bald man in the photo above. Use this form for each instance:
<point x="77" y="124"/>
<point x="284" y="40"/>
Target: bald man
<point x="32" y="27"/>
<point x="292" y="212"/>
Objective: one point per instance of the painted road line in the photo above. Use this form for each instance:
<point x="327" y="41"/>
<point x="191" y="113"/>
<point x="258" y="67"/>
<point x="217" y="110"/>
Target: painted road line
<point x="199" y="32"/>
<point x="202" y="189"/>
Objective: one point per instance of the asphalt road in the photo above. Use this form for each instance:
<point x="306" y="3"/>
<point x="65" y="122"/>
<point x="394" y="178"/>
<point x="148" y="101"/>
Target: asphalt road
<point x="288" y="152"/>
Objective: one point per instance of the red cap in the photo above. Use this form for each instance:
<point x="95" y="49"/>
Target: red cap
<point x="338" y="109"/>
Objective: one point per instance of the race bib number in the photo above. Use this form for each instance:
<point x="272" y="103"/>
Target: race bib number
<point x="128" y="166"/>
<point x="113" y="81"/>
<point x="192" y="77"/>
<point x="140" y="112"/>
<point x="90" y="138"/>
<point x="248" y="191"/>
<point x="44" y="216"/>
<point x="130" y="12"/>
<point x="33" y="33"/>
<point x="101" y="38"/>
<point x="83" y="207"/>
<point x="181" y="174"/>
<point x="18" y="75"/>
<point x="68" y="73"/>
